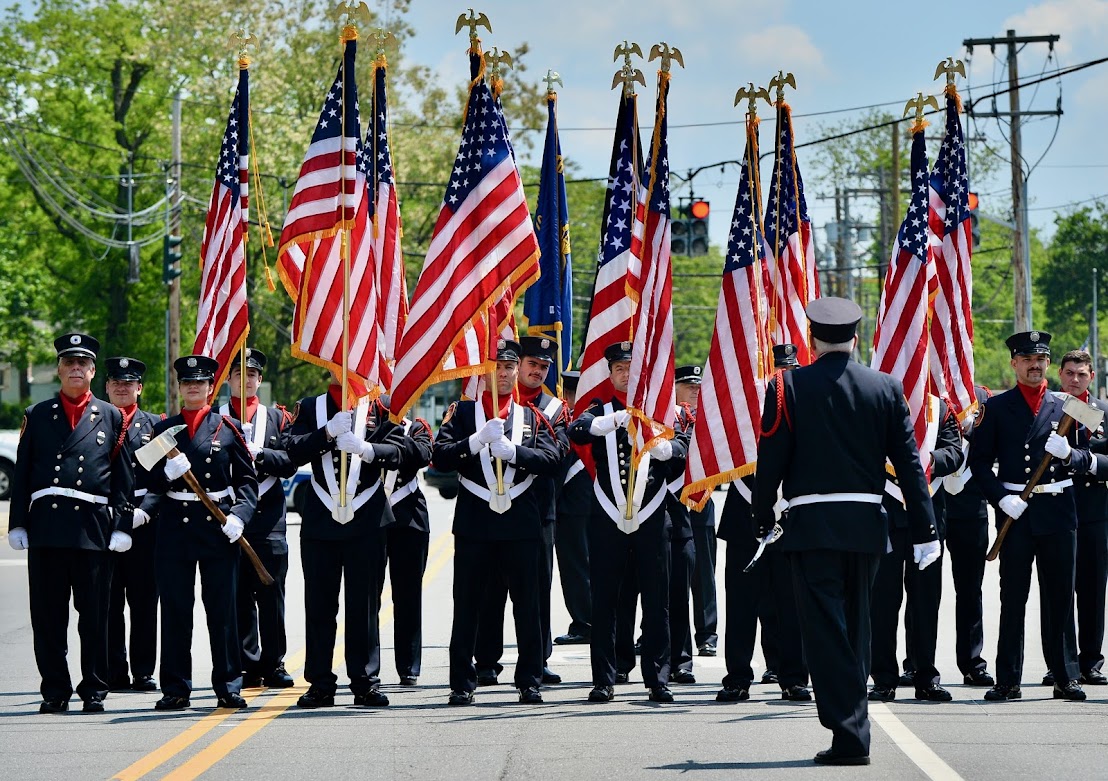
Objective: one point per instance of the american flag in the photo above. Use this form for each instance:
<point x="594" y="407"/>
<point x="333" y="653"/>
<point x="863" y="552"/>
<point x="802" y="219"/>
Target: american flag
<point x="610" y="314"/>
<point x="650" y="391"/>
<point x="733" y="387"/>
<point x="497" y="323"/>
<point x="952" y="294"/>
<point x="330" y="205"/>
<point x="387" y="231"/>
<point x="791" y="280"/>
<point x="900" y="344"/>
<point x="483" y="244"/>
<point x="222" y="318"/>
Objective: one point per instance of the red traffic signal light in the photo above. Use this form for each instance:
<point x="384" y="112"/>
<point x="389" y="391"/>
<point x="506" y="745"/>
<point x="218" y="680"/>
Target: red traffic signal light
<point x="699" y="210"/>
<point x="971" y="201"/>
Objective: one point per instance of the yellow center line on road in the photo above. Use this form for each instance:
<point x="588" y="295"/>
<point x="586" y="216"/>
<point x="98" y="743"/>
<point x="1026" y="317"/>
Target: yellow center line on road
<point x="439" y="554"/>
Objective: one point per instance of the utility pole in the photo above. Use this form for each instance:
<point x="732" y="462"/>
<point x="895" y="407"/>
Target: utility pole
<point x="1095" y="336"/>
<point x="1021" y="239"/>
<point x="173" y="313"/>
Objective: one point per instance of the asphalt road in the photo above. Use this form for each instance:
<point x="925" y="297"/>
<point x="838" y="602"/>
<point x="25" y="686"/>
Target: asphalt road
<point x="420" y="737"/>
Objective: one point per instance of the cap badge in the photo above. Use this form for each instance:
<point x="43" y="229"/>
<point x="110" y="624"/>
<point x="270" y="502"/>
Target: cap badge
<point x="789" y="349"/>
<point x="191" y="363"/>
<point x="124" y="363"/>
<point x="501" y="344"/>
<point x="696" y="370"/>
<point x="1034" y="336"/>
<point x="249" y="352"/>
<point x="75" y="339"/>
<point x="625" y="345"/>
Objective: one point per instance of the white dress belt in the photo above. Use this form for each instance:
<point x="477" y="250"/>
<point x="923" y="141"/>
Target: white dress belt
<point x="141" y="492"/>
<point x="403" y="492"/>
<point x="1045" y="488"/>
<point x="69" y="493"/>
<point x="189" y="496"/>
<point x="800" y="501"/>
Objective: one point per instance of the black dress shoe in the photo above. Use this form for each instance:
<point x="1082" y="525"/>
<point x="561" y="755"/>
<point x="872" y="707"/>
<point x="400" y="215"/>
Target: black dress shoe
<point x="315" y="698"/>
<point x="145" y="684"/>
<point x="53" y="706"/>
<point x="660" y="694"/>
<point x="279" y="678"/>
<point x="409" y="680"/>
<point x="121" y="684"/>
<point x="530" y="696"/>
<point x="602" y="694"/>
<point x="1048" y="679"/>
<point x="881" y="694"/>
<point x="1094" y="678"/>
<point x="978" y="678"/>
<point x="732" y="694"/>
<point x="230" y="700"/>
<point x="93" y="705"/>
<point x="682" y="676"/>
<point x="461" y="698"/>
<point x="487" y="678"/>
<point x="550" y="677"/>
<point x="569" y="638"/>
<point x="932" y="692"/>
<point x="831" y="757"/>
<point x="706" y="650"/>
<point x="769" y="676"/>
<point x="623" y="678"/>
<point x="907" y="679"/>
<point x="371" y="699"/>
<point x="169" y="702"/>
<point x="1070" y="690"/>
<point x="999" y="693"/>
<point x="796" y="693"/>
<point x="252" y="682"/>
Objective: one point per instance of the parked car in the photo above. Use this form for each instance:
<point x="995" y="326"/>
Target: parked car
<point x="9" y="440"/>
<point x="296" y="488"/>
<point x="446" y="482"/>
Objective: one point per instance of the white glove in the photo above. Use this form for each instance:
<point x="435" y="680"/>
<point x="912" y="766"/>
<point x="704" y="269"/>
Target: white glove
<point x="248" y="431"/>
<point x="622" y="416"/>
<point x="139" y="518"/>
<point x="120" y="542"/>
<point x="339" y="424"/>
<point x="926" y="553"/>
<point x="233" y="528"/>
<point x="254" y="449"/>
<point x="503" y="449"/>
<point x="1057" y="446"/>
<point x="177" y="466"/>
<point x="491" y="431"/>
<point x="349" y="443"/>
<point x="1012" y="506"/>
<point x="606" y="424"/>
<point x="17" y="538"/>
<point x="662" y="451"/>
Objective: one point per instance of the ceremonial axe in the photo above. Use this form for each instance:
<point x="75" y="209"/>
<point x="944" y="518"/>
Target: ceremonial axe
<point x="165" y="446"/>
<point x="1073" y="411"/>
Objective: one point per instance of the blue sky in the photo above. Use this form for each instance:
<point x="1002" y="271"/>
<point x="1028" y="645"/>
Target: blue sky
<point x="843" y="54"/>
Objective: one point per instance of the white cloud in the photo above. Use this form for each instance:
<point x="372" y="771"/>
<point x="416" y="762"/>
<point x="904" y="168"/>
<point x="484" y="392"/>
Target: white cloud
<point x="1078" y="22"/>
<point x="782" y="45"/>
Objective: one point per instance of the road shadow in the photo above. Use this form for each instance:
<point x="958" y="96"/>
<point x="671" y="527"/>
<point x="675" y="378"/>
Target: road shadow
<point x="691" y="764"/>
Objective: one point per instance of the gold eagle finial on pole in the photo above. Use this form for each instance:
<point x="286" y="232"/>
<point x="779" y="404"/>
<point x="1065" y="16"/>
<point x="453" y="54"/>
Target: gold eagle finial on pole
<point x="627" y="75"/>
<point x="751" y="93"/>
<point x="668" y="54"/>
<point x="473" y="21"/>
<point x="950" y="66"/>
<point x="779" y="82"/>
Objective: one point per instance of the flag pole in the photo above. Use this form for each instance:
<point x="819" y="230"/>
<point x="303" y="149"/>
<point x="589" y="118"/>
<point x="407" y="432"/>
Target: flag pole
<point x="496" y="413"/>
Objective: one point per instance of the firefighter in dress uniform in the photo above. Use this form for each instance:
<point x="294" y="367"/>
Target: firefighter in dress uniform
<point x="134" y="581"/>
<point x="70" y="506"/>
<point x="571" y="538"/>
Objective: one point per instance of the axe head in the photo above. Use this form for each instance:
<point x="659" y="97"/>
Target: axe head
<point x="158" y="448"/>
<point x="1085" y="414"/>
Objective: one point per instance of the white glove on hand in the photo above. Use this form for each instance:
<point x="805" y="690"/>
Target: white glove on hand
<point x="254" y="449"/>
<point x="602" y="425"/>
<point x="139" y="518"/>
<point x="662" y="451"/>
<point x="248" y="431"/>
<point x="339" y="424"/>
<point x="1012" y="506"/>
<point x="491" y="431"/>
<point x="177" y="466"/>
<point x="622" y="416"/>
<point x="1057" y="446"/>
<point x="926" y="553"/>
<point x="120" y="542"/>
<point x="349" y="443"/>
<point x="233" y="528"/>
<point x="17" y="538"/>
<point x="503" y="449"/>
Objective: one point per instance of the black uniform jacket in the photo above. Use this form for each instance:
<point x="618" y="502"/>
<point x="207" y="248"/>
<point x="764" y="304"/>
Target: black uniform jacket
<point x="93" y="459"/>
<point x="538" y="455"/>
<point x="558" y="416"/>
<point x="838" y="423"/>
<point x="409" y="505"/>
<point x="734" y="518"/>
<point x="139" y="432"/>
<point x="266" y="529"/>
<point x="968" y="503"/>
<point x="946" y="457"/>
<point x="308" y="442"/>
<point x="1012" y="437"/>
<point x="680" y="516"/>
<point x="223" y="466"/>
<point x="659" y="473"/>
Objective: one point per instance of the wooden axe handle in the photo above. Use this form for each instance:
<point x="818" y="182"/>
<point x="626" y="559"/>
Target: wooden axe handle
<point x="213" y="508"/>
<point x="1063" y="430"/>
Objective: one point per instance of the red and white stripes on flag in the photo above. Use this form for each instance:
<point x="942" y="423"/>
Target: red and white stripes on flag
<point x="952" y="295"/>
<point x="478" y="346"/>
<point x="725" y="445"/>
<point x="900" y="343"/>
<point x="791" y="281"/>
<point x="650" y="390"/>
<point x="483" y="244"/>
<point x="610" y="311"/>
<point x="222" y="319"/>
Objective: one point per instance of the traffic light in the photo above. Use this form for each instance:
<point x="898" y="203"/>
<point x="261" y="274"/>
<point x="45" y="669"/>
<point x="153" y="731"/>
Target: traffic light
<point x="689" y="232"/>
<point x="171" y="258"/>
<point x="975" y="226"/>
